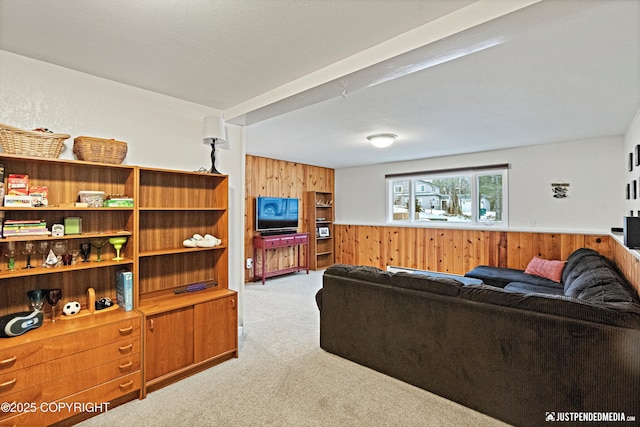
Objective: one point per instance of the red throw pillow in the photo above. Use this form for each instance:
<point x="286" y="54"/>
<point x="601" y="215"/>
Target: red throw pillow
<point x="551" y="270"/>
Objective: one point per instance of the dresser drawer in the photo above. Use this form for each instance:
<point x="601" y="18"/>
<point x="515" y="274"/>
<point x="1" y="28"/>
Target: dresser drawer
<point x="46" y="350"/>
<point x="93" y="400"/>
<point x="301" y="239"/>
<point x="272" y="243"/>
<point x="21" y="379"/>
<point x="56" y="388"/>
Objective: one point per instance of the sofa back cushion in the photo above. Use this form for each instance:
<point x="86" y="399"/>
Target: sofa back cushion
<point x="591" y="277"/>
<point x="425" y="283"/>
<point x="619" y="314"/>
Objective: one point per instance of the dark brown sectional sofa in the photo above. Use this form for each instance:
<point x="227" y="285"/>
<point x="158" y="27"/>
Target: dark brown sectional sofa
<point x="523" y="358"/>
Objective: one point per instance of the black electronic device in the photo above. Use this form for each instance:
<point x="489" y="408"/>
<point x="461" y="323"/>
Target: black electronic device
<point x="16" y="324"/>
<point x="631" y="232"/>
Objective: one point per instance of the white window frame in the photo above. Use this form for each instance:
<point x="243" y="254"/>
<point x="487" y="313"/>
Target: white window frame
<point x="474" y="174"/>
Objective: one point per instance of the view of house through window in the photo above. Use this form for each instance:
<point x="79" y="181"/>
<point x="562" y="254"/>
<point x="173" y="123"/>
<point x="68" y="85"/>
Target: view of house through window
<point x="464" y="197"/>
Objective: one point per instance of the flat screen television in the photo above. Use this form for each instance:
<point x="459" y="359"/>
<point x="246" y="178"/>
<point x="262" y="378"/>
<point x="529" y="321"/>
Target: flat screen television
<point x="275" y="214"/>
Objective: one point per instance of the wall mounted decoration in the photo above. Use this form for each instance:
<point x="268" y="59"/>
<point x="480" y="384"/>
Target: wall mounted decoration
<point x="560" y="190"/>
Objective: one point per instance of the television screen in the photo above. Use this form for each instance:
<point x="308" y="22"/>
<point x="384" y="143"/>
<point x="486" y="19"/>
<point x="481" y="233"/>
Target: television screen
<point x="276" y="213"/>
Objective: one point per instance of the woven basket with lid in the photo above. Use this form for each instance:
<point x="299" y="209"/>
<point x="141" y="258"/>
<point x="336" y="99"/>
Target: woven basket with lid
<point x="31" y="142"/>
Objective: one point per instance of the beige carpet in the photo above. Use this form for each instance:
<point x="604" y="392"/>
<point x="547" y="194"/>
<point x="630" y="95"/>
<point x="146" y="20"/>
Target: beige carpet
<point x="283" y="378"/>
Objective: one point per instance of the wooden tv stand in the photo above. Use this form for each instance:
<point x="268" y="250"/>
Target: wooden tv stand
<point x="280" y="241"/>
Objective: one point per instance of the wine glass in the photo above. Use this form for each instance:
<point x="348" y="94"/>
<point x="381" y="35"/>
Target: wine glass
<point x="10" y="253"/>
<point x="117" y="243"/>
<point x="53" y="297"/>
<point x="36" y="298"/>
<point x="59" y="248"/>
<point x="98" y="243"/>
<point x="85" y="251"/>
<point x="29" y="249"/>
<point x="43" y="249"/>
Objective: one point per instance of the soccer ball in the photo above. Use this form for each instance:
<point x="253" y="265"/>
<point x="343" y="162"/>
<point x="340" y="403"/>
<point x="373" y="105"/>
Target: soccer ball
<point x="71" y="308"/>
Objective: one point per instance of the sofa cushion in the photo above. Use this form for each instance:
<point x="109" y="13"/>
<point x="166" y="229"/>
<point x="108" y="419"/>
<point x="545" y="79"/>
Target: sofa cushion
<point x="591" y="277"/>
<point x="427" y="283"/>
<point x="370" y="274"/>
<point x="501" y="276"/>
<point x="550" y="269"/>
<point x="527" y="288"/>
<point x="462" y="279"/>
<point x="574" y="261"/>
<point x="618" y="314"/>
<point x="339" y="269"/>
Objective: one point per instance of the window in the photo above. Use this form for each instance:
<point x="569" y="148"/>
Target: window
<point x="453" y="197"/>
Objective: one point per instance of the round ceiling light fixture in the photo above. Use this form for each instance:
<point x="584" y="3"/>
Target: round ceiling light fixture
<point x="382" y="140"/>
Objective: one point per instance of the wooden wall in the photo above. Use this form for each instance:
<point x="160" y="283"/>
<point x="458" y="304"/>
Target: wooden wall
<point x="279" y="178"/>
<point x="455" y="250"/>
<point x="459" y="250"/>
<point x="628" y="263"/>
<point x="437" y="249"/>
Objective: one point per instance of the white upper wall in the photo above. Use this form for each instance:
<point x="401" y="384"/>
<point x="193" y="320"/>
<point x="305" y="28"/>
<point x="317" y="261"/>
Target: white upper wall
<point x="631" y="141"/>
<point x="160" y="131"/>
<point x="594" y="169"/>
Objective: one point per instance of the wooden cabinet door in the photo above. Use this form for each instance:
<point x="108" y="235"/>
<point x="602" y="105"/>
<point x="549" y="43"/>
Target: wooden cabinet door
<point x="216" y="328"/>
<point x="168" y="342"/>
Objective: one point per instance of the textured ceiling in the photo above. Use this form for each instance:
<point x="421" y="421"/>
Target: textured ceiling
<point x="312" y="78"/>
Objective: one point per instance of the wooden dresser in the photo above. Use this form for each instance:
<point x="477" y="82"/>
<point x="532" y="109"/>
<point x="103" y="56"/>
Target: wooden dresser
<point x="73" y="366"/>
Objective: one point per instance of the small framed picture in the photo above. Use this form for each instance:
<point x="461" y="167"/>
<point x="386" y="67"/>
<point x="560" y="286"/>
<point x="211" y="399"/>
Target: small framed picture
<point x="323" y="231"/>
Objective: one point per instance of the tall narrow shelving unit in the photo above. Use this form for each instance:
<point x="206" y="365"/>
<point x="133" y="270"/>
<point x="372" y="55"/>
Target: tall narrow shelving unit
<point x="190" y="331"/>
<point x="319" y="209"/>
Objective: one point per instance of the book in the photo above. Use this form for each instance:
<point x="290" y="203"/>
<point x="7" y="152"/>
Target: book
<point x="124" y="289"/>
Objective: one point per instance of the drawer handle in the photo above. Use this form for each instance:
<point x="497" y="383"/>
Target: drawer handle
<point x="125" y="366"/>
<point x="126" y="331"/>
<point x="8" y="383"/>
<point x="126" y="385"/>
<point x="125" y="348"/>
<point x="8" y="361"/>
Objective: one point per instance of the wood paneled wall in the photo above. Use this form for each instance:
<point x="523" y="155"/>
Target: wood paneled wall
<point x="628" y="263"/>
<point x="279" y="178"/>
<point x="459" y="250"/>
<point x="455" y="250"/>
<point x="437" y="249"/>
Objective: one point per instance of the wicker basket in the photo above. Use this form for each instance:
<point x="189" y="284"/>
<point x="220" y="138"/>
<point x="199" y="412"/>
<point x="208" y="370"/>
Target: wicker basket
<point x="31" y="142"/>
<point x="100" y="150"/>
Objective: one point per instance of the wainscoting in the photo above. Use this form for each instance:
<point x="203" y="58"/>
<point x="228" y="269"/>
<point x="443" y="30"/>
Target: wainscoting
<point x="455" y="250"/>
<point x="459" y="250"/>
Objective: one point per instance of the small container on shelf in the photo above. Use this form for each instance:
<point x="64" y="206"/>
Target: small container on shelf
<point x="93" y="199"/>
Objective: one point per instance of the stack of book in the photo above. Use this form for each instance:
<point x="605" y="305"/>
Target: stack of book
<point x="34" y="227"/>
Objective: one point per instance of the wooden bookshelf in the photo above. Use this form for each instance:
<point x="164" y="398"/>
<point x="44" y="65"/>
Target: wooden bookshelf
<point x="173" y="206"/>
<point x="319" y="208"/>
<point x="95" y="357"/>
